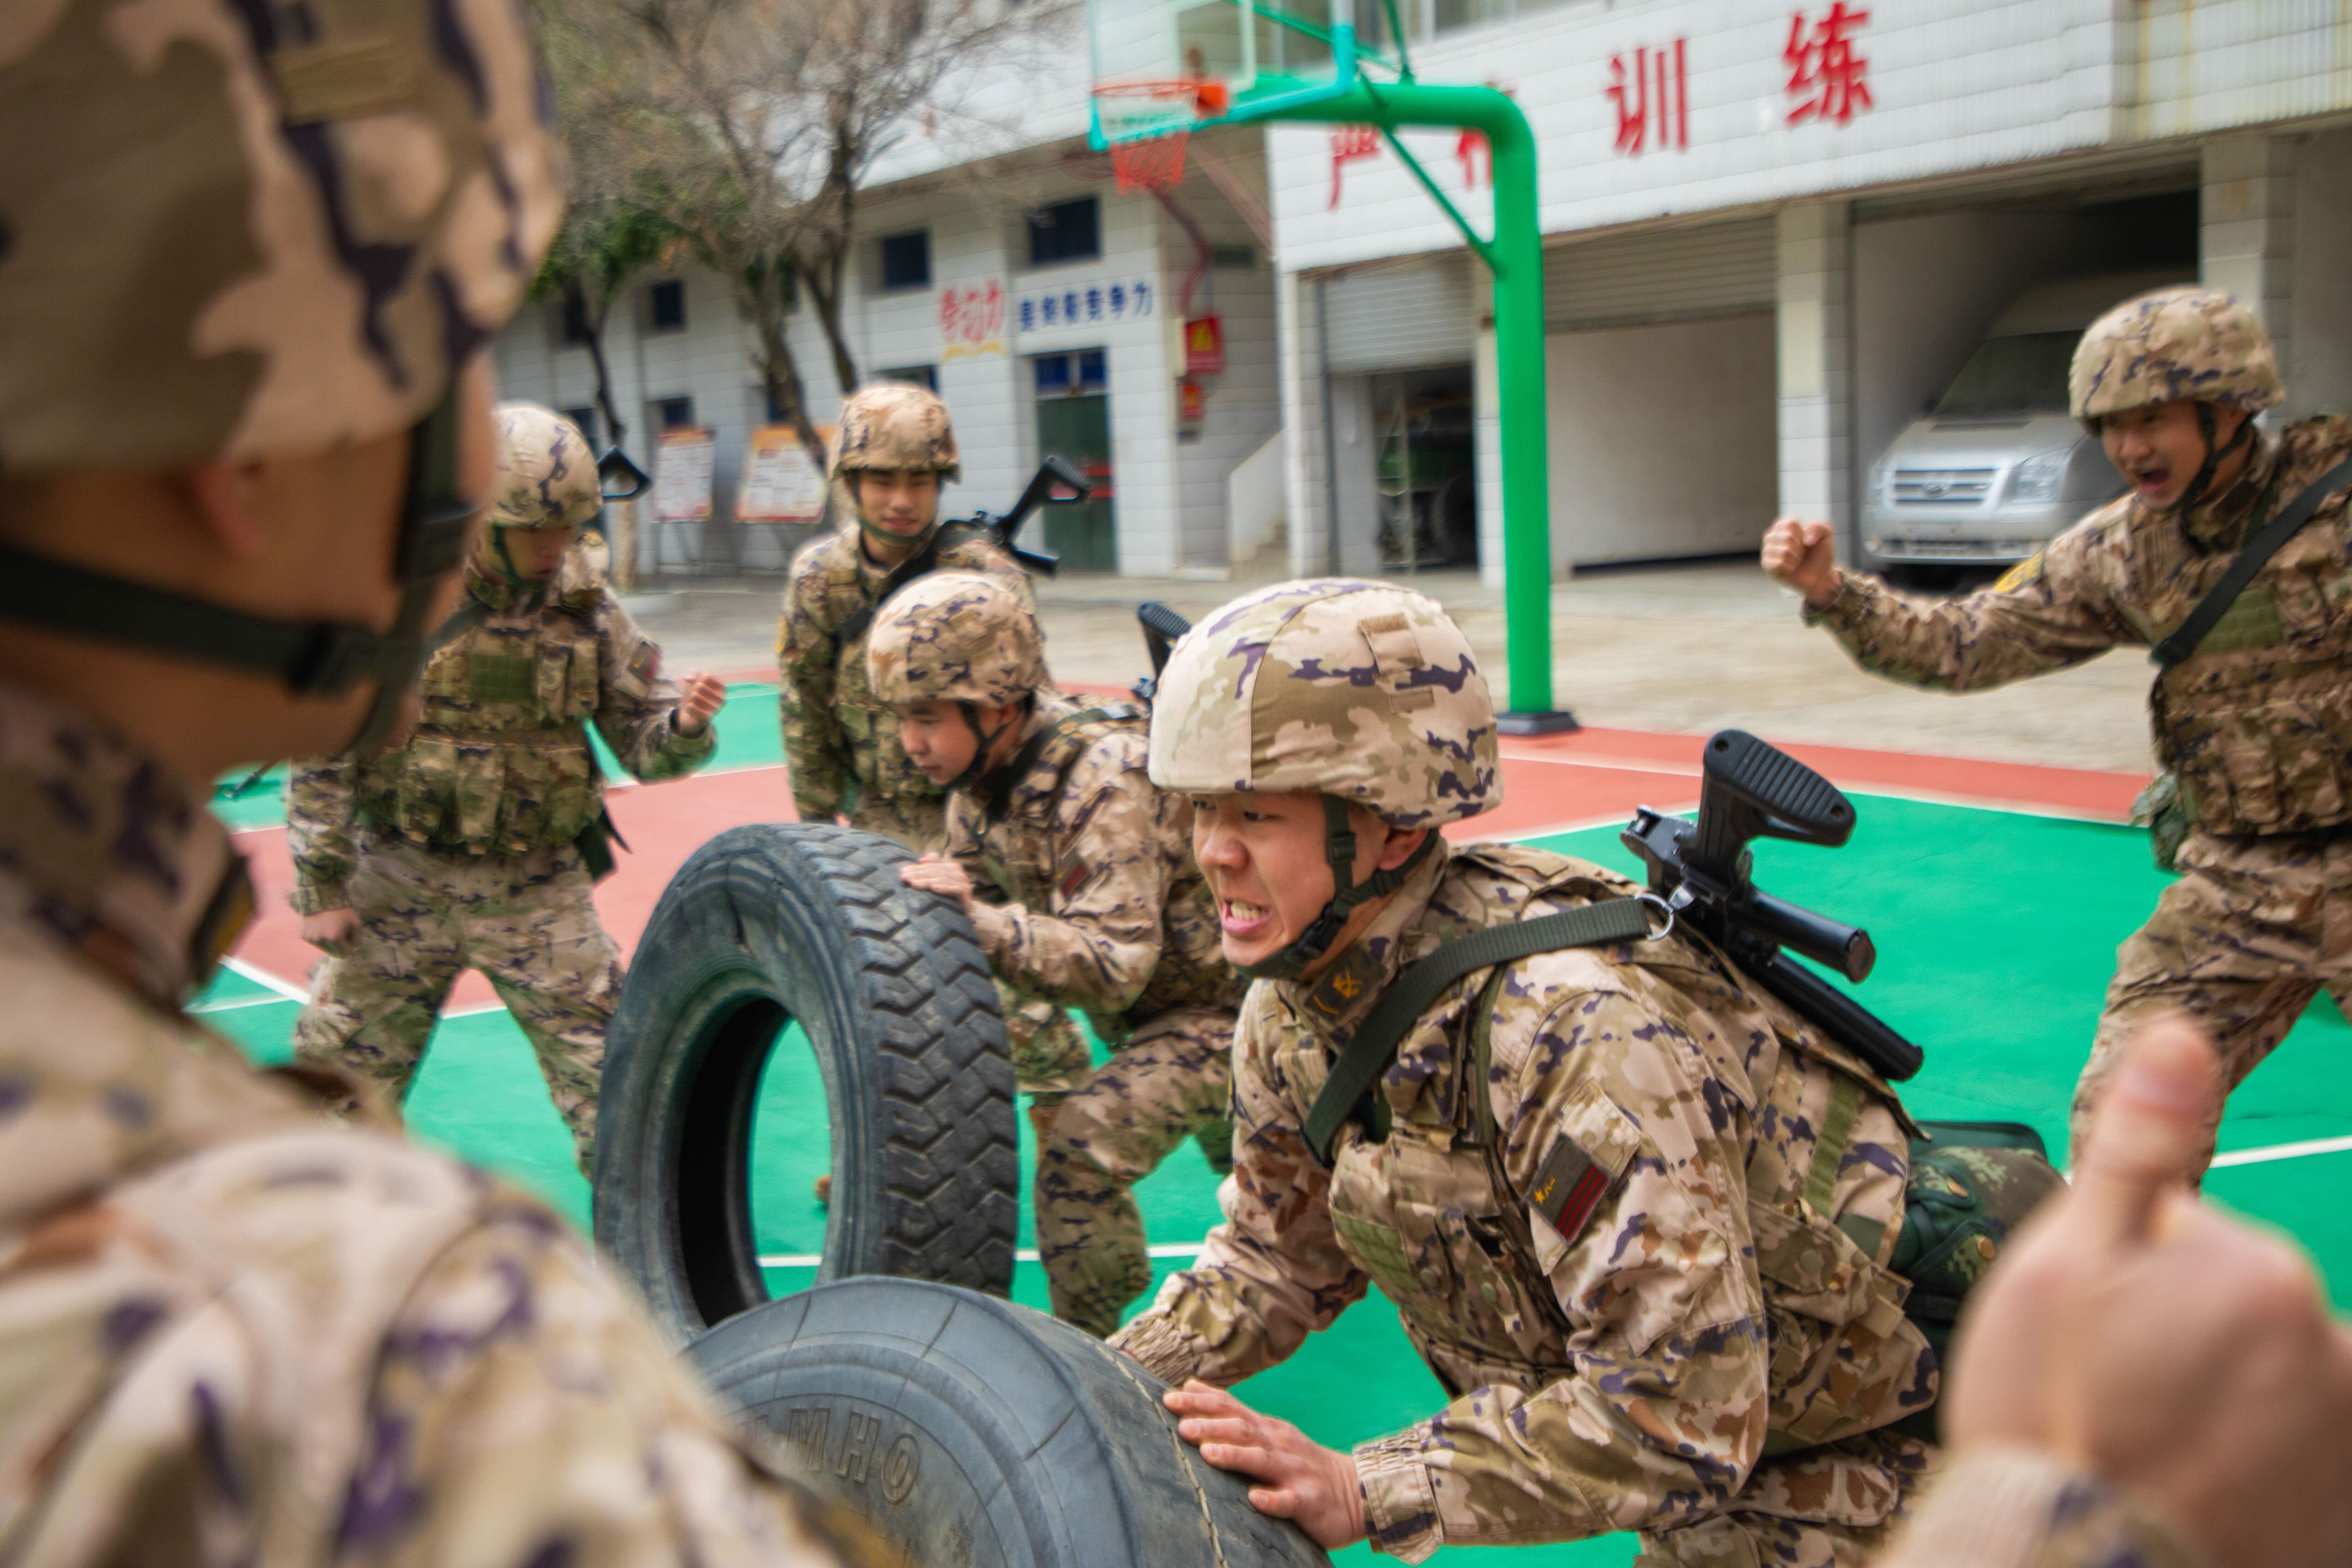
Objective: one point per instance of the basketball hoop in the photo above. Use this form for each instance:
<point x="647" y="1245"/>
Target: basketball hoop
<point x="1146" y="125"/>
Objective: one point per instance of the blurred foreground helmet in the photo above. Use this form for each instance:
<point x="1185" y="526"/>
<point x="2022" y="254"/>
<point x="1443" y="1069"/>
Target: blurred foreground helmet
<point x="547" y="474"/>
<point x="893" y="426"/>
<point x="237" y="231"/>
<point x="1358" y="690"/>
<point x="2172" y="344"/>
<point x="955" y="637"/>
<point x="240" y="231"/>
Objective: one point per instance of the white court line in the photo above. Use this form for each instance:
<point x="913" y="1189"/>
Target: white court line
<point x="1027" y="1255"/>
<point x="261" y="976"/>
<point x="2284" y="1151"/>
<point x="272" y="1001"/>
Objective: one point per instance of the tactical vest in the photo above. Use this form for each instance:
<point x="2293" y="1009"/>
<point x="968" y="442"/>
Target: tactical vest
<point x="866" y="722"/>
<point x="1193" y="971"/>
<point x="1843" y="1357"/>
<point x="500" y="763"/>
<point x="2257" y="724"/>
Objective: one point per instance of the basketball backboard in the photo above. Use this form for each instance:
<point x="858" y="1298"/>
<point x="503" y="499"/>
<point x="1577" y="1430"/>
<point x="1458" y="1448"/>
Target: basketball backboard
<point x="1253" y="50"/>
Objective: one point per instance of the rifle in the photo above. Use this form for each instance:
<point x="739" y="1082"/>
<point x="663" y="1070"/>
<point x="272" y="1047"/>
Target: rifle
<point x="1050" y="473"/>
<point x="1161" y="630"/>
<point x="1749" y="790"/>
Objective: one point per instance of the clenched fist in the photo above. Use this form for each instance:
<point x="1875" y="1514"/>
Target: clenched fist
<point x="699" y="698"/>
<point x="1801" y="554"/>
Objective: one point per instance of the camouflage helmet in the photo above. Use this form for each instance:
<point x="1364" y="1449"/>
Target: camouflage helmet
<point x="547" y="473"/>
<point x="255" y="231"/>
<point x="955" y="637"/>
<point x="1363" y="691"/>
<point x="895" y="426"/>
<point x="2172" y="344"/>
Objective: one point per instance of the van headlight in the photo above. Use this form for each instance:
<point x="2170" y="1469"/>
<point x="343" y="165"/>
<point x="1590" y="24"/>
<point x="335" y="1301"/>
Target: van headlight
<point x="1878" y="480"/>
<point x="2040" y="476"/>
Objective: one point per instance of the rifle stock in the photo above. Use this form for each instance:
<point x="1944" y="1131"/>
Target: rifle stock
<point x="1050" y="473"/>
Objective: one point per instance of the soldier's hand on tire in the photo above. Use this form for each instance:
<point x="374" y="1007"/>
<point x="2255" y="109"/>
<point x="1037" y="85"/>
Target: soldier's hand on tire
<point x="332" y="930"/>
<point x="1803" y="556"/>
<point x="1313" y="1487"/>
<point x="701" y="697"/>
<point x="934" y="873"/>
<point x="2134" y="1332"/>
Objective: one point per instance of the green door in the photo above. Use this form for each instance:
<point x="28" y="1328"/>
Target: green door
<point x="1077" y="429"/>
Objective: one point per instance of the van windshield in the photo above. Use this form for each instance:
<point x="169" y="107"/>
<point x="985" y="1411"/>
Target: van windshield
<point x="2012" y="375"/>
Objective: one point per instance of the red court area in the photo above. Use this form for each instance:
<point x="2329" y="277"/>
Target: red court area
<point x="1562" y="782"/>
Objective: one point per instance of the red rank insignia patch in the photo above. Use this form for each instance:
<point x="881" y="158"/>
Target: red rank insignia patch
<point x="1075" y="878"/>
<point x="1569" y="1186"/>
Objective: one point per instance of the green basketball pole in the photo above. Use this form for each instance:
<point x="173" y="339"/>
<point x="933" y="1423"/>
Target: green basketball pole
<point x="1515" y="257"/>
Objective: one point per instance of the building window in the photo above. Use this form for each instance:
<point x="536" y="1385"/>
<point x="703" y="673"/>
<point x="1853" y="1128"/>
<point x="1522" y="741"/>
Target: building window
<point x="1066" y="231"/>
<point x="1232" y="257"/>
<point x="571" y="322"/>
<point x="923" y="376"/>
<point x="1071" y="375"/>
<point x="586" y="420"/>
<point x="665" y="303"/>
<point x="907" y="260"/>
<point x="674" y="413"/>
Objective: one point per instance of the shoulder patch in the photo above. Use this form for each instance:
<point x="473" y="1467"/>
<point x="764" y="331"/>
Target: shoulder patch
<point x="1346" y="984"/>
<point x="645" y="663"/>
<point x="1569" y="1186"/>
<point x="2025" y="574"/>
<point x="1074" y="879"/>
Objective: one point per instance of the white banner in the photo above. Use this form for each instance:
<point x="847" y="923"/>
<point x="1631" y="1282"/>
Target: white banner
<point x="682" y="476"/>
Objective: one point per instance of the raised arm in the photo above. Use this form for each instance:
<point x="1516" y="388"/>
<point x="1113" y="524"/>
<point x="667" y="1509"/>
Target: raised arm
<point x="637" y="711"/>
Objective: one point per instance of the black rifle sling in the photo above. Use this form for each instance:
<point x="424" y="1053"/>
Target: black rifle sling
<point x="922" y="562"/>
<point x="1375" y="1040"/>
<point x="2251" y="560"/>
<point x="1001" y="801"/>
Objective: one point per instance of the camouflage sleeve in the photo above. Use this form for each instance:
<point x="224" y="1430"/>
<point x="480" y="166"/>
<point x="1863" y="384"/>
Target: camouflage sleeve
<point x="960" y="823"/>
<point x="1273" y="1272"/>
<point x="816" y="757"/>
<point x="1098" y="940"/>
<point x="2019" y="1507"/>
<point x="1663" y="1417"/>
<point x="523" y="1411"/>
<point x="2049" y="613"/>
<point x="319" y="833"/>
<point x="636" y="711"/>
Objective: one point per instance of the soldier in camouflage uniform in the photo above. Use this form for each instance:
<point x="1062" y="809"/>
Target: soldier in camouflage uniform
<point x="2255" y="726"/>
<point x="463" y="844"/>
<point x="248" y="282"/>
<point x="1049" y="806"/>
<point x="893" y="453"/>
<point x="1635" y="1215"/>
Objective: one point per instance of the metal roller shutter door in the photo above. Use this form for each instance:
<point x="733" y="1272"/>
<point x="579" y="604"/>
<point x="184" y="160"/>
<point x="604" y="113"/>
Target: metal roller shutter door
<point x="1719" y="269"/>
<point x="1401" y="318"/>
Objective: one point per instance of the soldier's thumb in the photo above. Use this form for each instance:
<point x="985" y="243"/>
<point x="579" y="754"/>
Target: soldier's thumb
<point x="2147" y="1134"/>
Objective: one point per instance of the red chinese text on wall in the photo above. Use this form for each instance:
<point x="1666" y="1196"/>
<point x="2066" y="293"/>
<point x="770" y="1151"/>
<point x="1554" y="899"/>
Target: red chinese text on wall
<point x="972" y="320"/>
<point x="1827" y="80"/>
<point x="1350" y="143"/>
<point x="1650" y="91"/>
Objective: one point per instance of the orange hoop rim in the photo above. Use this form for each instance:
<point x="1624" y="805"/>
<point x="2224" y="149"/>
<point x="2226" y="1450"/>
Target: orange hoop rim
<point x="1208" y="95"/>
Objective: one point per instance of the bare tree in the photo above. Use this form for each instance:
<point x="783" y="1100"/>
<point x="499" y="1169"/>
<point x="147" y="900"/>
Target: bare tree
<point x="747" y="126"/>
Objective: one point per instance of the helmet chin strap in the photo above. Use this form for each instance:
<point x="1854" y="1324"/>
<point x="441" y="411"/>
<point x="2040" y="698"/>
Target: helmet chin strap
<point x="883" y="536"/>
<point x="2206" y="426"/>
<point x="975" y="771"/>
<point x="1347" y="894"/>
<point x="310" y="658"/>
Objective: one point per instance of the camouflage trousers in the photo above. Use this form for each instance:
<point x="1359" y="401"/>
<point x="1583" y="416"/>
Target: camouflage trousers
<point x="526" y="922"/>
<point x="1050" y="1056"/>
<point x="2241" y="942"/>
<point x="1816" y="1509"/>
<point x="1172" y="1079"/>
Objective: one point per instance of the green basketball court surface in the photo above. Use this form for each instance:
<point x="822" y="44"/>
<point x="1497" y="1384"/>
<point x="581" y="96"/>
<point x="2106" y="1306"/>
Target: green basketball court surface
<point x="1996" y="932"/>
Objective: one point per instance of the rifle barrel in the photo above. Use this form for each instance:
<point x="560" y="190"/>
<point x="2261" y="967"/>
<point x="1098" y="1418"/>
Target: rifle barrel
<point x="1846" y="1021"/>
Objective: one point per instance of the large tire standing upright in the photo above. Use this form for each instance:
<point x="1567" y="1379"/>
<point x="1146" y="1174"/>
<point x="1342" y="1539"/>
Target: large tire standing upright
<point x="806" y="922"/>
<point x="975" y="1434"/>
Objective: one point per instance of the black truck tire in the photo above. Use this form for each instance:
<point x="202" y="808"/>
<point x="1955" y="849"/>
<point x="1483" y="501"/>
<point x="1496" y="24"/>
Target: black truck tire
<point x="805" y="921"/>
<point x="975" y="1434"/>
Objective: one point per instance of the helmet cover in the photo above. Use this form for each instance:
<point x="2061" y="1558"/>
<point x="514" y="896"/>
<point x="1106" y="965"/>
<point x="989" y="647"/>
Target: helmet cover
<point x="253" y="231"/>
<point x="894" y="426"/>
<point x="1360" y="690"/>
<point x="547" y="473"/>
<point x="2173" y="344"/>
<point x="955" y="637"/>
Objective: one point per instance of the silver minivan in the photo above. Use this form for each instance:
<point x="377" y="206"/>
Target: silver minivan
<point x="1995" y="468"/>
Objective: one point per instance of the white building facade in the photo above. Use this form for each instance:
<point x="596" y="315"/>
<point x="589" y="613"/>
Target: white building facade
<point x="1773" y="228"/>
